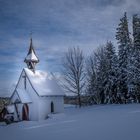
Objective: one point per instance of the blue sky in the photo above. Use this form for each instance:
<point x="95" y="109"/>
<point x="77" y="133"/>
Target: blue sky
<point x="56" y="25"/>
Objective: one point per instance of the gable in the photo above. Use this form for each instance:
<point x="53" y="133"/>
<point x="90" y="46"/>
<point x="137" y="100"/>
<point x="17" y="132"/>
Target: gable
<point x="37" y="84"/>
<point x="22" y="93"/>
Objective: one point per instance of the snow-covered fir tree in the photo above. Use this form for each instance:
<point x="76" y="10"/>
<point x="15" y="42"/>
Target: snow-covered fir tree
<point x="124" y="45"/>
<point x="92" y="87"/>
<point x="96" y="75"/>
<point x="101" y="70"/>
<point x="110" y="88"/>
<point x="136" y="43"/>
<point x="102" y="74"/>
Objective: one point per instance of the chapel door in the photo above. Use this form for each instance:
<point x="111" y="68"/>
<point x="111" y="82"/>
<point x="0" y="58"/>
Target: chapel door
<point x="52" y="107"/>
<point x="25" y="112"/>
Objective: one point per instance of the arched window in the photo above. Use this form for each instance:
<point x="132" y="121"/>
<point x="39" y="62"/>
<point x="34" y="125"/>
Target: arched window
<point x="52" y="107"/>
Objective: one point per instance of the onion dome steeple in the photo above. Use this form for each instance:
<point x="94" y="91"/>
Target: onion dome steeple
<point x="31" y="59"/>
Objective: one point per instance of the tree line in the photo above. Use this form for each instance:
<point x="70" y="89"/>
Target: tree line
<point x="107" y="76"/>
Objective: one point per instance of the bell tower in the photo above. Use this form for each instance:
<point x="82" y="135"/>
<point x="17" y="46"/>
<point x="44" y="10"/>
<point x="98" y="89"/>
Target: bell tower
<point x="31" y="59"/>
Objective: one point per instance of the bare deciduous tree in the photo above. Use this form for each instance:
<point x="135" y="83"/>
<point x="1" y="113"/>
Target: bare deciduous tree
<point x="73" y="71"/>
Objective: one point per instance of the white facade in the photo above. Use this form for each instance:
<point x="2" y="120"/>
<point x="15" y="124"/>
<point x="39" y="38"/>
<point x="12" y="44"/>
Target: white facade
<point x="36" y="95"/>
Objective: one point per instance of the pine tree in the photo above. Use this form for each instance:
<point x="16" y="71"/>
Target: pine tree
<point x="92" y="83"/>
<point x="97" y="75"/>
<point x="136" y="42"/>
<point x="101" y="70"/>
<point x="124" y="45"/>
<point x="111" y="73"/>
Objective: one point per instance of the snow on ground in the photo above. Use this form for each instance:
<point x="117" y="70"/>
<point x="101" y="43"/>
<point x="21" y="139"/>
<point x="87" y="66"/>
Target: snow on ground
<point x="98" y="122"/>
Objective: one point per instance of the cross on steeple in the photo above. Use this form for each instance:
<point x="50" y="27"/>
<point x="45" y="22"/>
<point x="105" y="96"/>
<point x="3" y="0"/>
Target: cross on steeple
<point x="31" y="59"/>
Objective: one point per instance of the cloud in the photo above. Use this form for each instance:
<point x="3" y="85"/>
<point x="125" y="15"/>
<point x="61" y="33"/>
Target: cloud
<point x="56" y="25"/>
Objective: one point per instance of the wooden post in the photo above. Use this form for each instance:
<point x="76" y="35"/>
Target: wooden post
<point x="17" y="112"/>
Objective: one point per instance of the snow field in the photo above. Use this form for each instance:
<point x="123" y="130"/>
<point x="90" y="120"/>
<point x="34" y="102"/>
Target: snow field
<point x="98" y="122"/>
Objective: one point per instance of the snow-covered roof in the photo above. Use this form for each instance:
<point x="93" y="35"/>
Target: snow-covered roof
<point x="23" y="95"/>
<point x="44" y="83"/>
<point x="31" y="56"/>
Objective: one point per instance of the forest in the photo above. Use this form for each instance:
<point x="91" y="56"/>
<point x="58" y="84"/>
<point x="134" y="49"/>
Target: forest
<point x="111" y="74"/>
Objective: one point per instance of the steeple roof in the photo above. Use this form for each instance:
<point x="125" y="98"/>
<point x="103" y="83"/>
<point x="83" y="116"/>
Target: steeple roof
<point x="31" y="59"/>
<point x="31" y="56"/>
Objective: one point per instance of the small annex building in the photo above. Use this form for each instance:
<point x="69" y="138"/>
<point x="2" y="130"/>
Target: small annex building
<point x="37" y="93"/>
